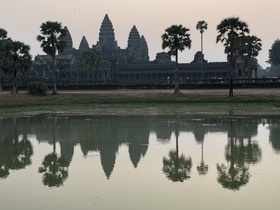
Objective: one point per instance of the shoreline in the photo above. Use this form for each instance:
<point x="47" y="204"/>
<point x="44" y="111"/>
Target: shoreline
<point x="124" y="101"/>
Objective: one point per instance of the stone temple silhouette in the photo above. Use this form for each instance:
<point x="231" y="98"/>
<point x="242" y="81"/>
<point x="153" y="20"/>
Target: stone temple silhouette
<point x="130" y="65"/>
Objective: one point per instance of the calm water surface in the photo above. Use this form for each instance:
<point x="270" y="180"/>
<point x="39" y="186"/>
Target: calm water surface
<point x="139" y="162"/>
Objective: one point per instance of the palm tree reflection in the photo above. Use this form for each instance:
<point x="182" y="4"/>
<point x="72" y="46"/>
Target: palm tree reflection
<point x="54" y="167"/>
<point x="177" y="167"/>
<point x="239" y="155"/>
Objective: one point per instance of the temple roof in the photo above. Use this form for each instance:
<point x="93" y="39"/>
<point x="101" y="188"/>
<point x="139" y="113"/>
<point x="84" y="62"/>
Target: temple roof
<point x="84" y="44"/>
<point x="68" y="40"/>
<point x="145" y="49"/>
<point x="133" y="39"/>
<point x="107" y="34"/>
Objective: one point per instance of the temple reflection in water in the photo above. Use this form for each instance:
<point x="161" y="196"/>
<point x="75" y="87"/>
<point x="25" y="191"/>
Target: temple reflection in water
<point x="105" y="134"/>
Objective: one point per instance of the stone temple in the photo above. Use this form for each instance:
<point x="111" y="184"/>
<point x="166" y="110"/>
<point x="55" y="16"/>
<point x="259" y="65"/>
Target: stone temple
<point x="130" y="65"/>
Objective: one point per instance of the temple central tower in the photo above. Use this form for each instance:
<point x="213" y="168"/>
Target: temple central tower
<point x="107" y="35"/>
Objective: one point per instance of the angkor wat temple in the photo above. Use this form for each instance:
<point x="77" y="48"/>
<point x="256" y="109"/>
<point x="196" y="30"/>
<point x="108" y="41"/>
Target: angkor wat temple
<point x="130" y="65"/>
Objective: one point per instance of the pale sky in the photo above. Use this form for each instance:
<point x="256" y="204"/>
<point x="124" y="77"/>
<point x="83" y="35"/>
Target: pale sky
<point x="22" y="20"/>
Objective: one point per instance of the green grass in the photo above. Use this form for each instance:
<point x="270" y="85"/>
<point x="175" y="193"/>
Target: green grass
<point x="144" y="101"/>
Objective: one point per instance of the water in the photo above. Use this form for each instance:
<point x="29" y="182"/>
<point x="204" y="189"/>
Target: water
<point x="139" y="162"/>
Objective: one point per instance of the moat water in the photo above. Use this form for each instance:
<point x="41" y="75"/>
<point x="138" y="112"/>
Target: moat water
<point x="73" y="162"/>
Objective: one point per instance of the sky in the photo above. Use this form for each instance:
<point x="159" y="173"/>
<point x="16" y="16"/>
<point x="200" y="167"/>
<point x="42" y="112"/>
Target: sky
<point x="22" y="20"/>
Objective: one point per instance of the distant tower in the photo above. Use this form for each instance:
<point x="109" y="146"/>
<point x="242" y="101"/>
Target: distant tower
<point x="84" y="44"/>
<point x="145" y="49"/>
<point x="69" y="42"/>
<point x="107" y="35"/>
<point x="134" y="46"/>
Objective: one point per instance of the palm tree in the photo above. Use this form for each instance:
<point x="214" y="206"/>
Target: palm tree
<point x="229" y="32"/>
<point x="177" y="167"/>
<point x="176" y="38"/>
<point x="54" y="167"/>
<point x="52" y="41"/>
<point x="201" y="26"/>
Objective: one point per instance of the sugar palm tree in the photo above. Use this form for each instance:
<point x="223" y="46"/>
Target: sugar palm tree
<point x="229" y="32"/>
<point x="176" y="38"/>
<point x="201" y="26"/>
<point x="52" y="41"/>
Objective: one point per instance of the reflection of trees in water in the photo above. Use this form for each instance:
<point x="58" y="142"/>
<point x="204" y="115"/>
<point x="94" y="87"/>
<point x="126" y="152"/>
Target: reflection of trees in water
<point x="240" y="153"/>
<point x="54" y="167"/>
<point x="274" y="135"/>
<point x="177" y="167"/>
<point x="234" y="177"/>
<point x="15" y="153"/>
<point x="105" y="134"/>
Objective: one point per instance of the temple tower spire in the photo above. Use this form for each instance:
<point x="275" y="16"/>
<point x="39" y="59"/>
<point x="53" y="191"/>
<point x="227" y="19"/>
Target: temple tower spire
<point x="107" y="35"/>
<point x="68" y="40"/>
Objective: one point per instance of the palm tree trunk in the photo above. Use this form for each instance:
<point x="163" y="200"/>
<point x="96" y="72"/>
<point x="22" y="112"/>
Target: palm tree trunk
<point x="232" y="66"/>
<point x="176" y="76"/>
<point x="201" y="56"/>
<point x="54" y="77"/>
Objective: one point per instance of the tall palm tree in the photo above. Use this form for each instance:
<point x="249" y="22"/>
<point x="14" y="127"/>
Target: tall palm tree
<point x="176" y="38"/>
<point x="229" y="32"/>
<point x="177" y="167"/>
<point x="52" y="41"/>
<point x="201" y="26"/>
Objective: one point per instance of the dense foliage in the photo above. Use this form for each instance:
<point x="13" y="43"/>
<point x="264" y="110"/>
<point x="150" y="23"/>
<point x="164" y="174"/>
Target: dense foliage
<point x="274" y="53"/>
<point x="38" y="88"/>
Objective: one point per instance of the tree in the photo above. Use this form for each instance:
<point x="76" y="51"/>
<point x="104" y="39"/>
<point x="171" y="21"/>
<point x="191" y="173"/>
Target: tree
<point x="54" y="167"/>
<point x="105" y="67"/>
<point x="201" y="26"/>
<point x="177" y="168"/>
<point x="253" y="45"/>
<point x="229" y="32"/>
<point x="88" y="61"/>
<point x="176" y="38"/>
<point x="15" y="58"/>
<point x="274" y="53"/>
<point x="3" y="38"/>
<point x="52" y="41"/>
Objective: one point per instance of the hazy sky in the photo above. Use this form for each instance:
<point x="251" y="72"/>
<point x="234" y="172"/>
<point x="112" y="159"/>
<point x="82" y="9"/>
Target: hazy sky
<point x="22" y="20"/>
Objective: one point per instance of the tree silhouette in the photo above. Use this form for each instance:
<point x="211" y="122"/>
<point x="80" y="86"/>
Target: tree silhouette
<point x="52" y="41"/>
<point x="54" y="167"/>
<point x="176" y="38"/>
<point x="201" y="26"/>
<point x="15" y="153"/>
<point x="237" y="174"/>
<point x="177" y="168"/>
<point x="230" y="32"/>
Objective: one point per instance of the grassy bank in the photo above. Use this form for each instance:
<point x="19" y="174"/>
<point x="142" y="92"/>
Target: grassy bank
<point x="139" y="101"/>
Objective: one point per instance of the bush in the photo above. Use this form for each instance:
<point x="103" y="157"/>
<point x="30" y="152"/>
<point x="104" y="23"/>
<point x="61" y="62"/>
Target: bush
<point x="38" y="88"/>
